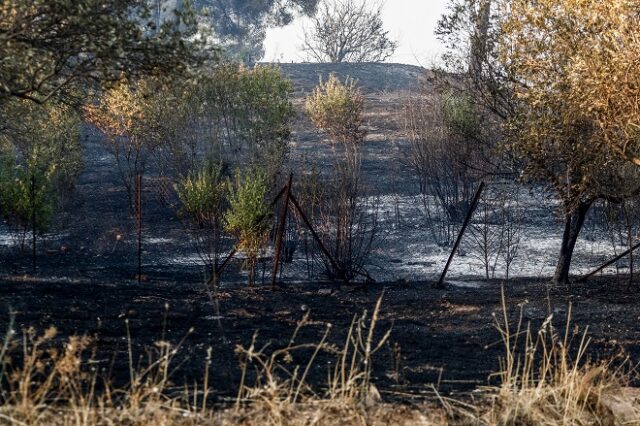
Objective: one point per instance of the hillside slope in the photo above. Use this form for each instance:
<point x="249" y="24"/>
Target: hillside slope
<point x="371" y="77"/>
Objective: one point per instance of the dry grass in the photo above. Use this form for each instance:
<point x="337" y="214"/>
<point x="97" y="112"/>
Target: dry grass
<point x="547" y="379"/>
<point x="542" y="382"/>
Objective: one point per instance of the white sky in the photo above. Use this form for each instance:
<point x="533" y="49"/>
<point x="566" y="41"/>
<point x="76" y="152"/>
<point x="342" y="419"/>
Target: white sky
<point x="411" y="22"/>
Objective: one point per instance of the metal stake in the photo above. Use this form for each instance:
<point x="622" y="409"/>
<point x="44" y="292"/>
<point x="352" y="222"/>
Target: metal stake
<point x="472" y="209"/>
<point x="610" y="262"/>
<point x="280" y="233"/>
<point x="139" y="211"/>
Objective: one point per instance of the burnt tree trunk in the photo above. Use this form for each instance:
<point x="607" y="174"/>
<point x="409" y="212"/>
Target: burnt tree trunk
<point x="573" y="225"/>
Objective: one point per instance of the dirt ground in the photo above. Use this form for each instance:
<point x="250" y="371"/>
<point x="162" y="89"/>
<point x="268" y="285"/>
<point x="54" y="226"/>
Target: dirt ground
<point x="442" y="339"/>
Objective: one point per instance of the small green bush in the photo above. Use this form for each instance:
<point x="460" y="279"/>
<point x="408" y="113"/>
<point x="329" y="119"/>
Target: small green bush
<point x="19" y="199"/>
<point x="41" y="144"/>
<point x="202" y="195"/>
<point x="336" y="108"/>
<point x="247" y="215"/>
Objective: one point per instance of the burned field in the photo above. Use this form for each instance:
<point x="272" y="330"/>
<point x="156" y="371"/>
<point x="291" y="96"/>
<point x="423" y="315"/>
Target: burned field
<point x="440" y="342"/>
<point x="443" y="340"/>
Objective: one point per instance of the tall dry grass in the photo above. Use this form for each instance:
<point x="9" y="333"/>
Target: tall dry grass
<point x="545" y="378"/>
<point x="50" y="386"/>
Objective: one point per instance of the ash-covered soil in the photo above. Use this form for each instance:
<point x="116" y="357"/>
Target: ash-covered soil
<point x="442" y="339"/>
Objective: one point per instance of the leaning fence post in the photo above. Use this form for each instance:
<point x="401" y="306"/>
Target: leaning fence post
<point x="472" y="209"/>
<point x="610" y="262"/>
<point x="139" y="223"/>
<point x="324" y="250"/>
<point x="33" y="220"/>
<point x="280" y="233"/>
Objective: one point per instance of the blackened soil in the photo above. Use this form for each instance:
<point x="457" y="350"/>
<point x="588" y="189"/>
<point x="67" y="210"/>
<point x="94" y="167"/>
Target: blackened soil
<point x="439" y="338"/>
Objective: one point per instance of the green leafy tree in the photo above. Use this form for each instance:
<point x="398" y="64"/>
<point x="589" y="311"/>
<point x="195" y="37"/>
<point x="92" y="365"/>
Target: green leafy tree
<point x="231" y="114"/>
<point x="250" y="112"/>
<point x="46" y="135"/>
<point x="26" y="194"/>
<point x="247" y="217"/>
<point x="41" y="159"/>
<point x="50" y="48"/>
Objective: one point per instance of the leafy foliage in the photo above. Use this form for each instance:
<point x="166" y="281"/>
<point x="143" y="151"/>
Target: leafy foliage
<point x="133" y="115"/>
<point x="588" y="73"/>
<point x="555" y="128"/>
<point x="48" y="48"/>
<point x="560" y="137"/>
<point x="19" y="202"/>
<point x="247" y="214"/>
<point x="249" y="111"/>
<point x="337" y="108"/>
<point x="459" y="115"/>
<point x="40" y="157"/>
<point x="203" y="195"/>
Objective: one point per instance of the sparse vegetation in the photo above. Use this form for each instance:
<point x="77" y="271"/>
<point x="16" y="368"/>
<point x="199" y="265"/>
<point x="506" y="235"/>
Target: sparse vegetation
<point x="430" y="196"/>
<point x="248" y="214"/>
<point x="348" y="219"/>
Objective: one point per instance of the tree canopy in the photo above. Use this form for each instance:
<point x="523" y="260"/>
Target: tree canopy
<point x="584" y="54"/>
<point x="50" y="47"/>
<point x="240" y="26"/>
<point x="348" y="31"/>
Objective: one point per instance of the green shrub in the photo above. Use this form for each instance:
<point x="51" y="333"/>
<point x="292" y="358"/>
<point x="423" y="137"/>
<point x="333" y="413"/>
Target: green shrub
<point x="336" y="108"/>
<point x="202" y="195"/>
<point x="20" y="198"/>
<point x="251" y="110"/>
<point x="41" y="144"/>
<point x="247" y="216"/>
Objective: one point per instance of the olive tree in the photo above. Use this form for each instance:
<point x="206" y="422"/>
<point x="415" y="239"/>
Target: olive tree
<point x="594" y="65"/>
<point x="561" y="138"/>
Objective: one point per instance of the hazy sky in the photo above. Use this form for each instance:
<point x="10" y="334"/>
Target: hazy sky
<point x="411" y="22"/>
